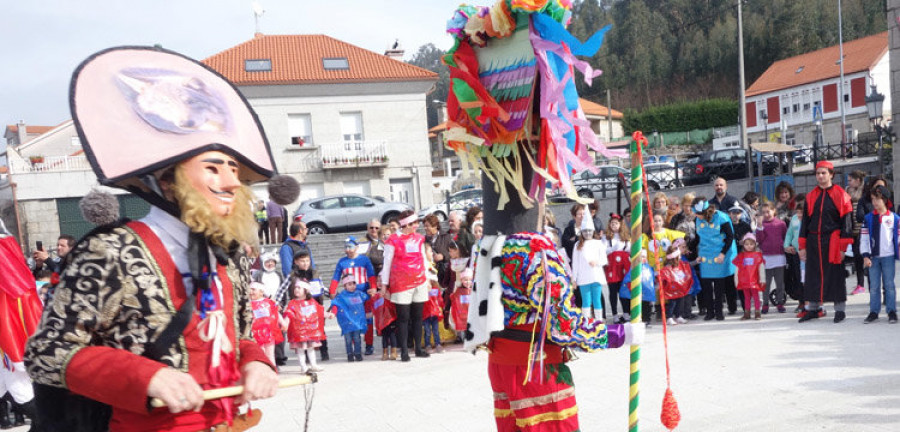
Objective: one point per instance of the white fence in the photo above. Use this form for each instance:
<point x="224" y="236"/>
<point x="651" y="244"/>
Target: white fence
<point x="50" y="164"/>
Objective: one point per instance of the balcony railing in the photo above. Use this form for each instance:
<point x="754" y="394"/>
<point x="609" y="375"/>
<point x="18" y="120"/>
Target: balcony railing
<point x="352" y="154"/>
<point x="50" y="164"/>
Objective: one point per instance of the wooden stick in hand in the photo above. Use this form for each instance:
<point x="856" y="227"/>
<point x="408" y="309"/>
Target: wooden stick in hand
<point x="237" y="390"/>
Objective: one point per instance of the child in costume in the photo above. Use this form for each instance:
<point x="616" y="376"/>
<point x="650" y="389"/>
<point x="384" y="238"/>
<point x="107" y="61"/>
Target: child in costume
<point x="616" y="239"/>
<point x="306" y="326"/>
<point x="267" y="320"/>
<point x="385" y="323"/>
<point x="662" y="238"/>
<point x="362" y="270"/>
<point x="433" y="312"/>
<point x="460" y="303"/>
<point x="770" y="232"/>
<point x="677" y="279"/>
<point x="879" y="247"/>
<point x="270" y="275"/>
<point x="648" y="288"/>
<point x="588" y="259"/>
<point x="750" y="275"/>
<point x="349" y="307"/>
<point x="686" y="256"/>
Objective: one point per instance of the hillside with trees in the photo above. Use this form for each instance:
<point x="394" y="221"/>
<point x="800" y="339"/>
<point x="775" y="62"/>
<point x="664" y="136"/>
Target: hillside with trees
<point x="665" y="51"/>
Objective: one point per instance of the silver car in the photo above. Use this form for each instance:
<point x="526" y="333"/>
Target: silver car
<point x="462" y="200"/>
<point x="345" y="212"/>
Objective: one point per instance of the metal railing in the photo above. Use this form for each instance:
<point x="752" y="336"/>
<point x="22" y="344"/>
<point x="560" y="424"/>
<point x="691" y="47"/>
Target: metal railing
<point x="354" y="153"/>
<point x="50" y="164"/>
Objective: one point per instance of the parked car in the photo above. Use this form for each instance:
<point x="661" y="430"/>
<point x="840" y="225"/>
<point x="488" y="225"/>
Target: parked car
<point x="462" y="200"/>
<point x="662" y="175"/>
<point x="729" y="164"/>
<point x="345" y="212"/>
<point x="605" y="181"/>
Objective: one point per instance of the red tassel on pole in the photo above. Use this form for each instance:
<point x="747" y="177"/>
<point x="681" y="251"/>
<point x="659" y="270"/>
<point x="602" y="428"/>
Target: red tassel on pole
<point x="670" y="415"/>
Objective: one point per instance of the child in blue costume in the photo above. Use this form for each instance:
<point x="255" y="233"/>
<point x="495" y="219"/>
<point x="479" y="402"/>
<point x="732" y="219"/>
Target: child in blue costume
<point x="715" y="250"/>
<point x="648" y="288"/>
<point x="349" y="307"/>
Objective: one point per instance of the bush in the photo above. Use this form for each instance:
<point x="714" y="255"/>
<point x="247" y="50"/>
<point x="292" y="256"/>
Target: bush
<point x="682" y="116"/>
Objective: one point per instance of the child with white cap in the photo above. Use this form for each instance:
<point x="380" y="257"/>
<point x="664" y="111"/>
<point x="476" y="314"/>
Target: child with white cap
<point x="588" y="259"/>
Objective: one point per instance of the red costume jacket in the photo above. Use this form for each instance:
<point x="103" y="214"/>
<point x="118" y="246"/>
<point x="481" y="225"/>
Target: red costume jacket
<point x="839" y="240"/>
<point x="266" y="330"/>
<point x="307" y="321"/>
<point x="434" y="307"/>
<point x="100" y="354"/>
<point x="459" y="307"/>
<point x="748" y="270"/>
<point x="618" y="266"/>
<point x="676" y="281"/>
<point x="385" y="313"/>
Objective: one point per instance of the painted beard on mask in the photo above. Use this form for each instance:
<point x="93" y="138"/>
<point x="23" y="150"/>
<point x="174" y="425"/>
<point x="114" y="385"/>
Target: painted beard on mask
<point x="217" y="212"/>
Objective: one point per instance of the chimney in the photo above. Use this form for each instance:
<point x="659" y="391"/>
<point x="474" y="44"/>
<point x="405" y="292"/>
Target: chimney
<point x="23" y="134"/>
<point x="395" y="51"/>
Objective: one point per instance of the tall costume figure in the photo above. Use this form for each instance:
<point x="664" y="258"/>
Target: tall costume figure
<point x="523" y="310"/>
<point x="158" y="307"/>
<point x="826" y="230"/>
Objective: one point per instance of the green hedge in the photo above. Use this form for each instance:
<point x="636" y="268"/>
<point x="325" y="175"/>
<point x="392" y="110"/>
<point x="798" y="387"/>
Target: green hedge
<point x="682" y="116"/>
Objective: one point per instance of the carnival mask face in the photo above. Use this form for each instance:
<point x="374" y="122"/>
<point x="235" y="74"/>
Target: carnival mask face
<point x="215" y="176"/>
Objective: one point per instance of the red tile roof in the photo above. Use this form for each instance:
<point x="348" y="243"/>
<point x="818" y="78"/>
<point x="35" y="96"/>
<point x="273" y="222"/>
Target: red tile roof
<point x="859" y="55"/>
<point x="28" y="129"/>
<point x="297" y="59"/>
<point x="592" y="108"/>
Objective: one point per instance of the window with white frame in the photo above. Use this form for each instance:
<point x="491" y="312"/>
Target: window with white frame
<point x="300" y="129"/>
<point x="790" y="138"/>
<point x="352" y="130"/>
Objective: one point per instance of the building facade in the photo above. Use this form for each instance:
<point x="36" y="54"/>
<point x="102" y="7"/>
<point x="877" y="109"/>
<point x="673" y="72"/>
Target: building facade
<point x="339" y="118"/>
<point x="799" y="99"/>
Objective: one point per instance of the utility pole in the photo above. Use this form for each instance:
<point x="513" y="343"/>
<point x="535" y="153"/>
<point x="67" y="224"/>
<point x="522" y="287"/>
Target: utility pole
<point x="742" y="110"/>
<point x="841" y="83"/>
<point x="893" y="12"/>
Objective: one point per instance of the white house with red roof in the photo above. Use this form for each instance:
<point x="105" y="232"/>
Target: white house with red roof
<point x="793" y="93"/>
<point x="340" y="118"/>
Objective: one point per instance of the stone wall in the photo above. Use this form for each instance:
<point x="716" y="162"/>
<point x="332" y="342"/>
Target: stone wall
<point x="40" y="222"/>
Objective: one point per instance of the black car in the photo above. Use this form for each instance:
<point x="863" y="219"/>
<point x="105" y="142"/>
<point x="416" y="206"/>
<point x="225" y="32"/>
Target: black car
<point x="729" y="164"/>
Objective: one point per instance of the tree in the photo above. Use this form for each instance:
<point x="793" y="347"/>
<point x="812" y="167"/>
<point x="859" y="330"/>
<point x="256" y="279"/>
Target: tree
<point x="429" y="57"/>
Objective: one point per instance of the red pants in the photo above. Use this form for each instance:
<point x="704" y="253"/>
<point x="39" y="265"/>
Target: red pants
<point x="534" y="407"/>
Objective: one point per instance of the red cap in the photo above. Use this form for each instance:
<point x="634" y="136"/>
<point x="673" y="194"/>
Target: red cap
<point x="825" y="164"/>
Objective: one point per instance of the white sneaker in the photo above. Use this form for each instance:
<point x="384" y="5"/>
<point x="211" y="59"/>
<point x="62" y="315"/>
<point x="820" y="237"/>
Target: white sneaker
<point x="316" y="369"/>
<point x="671" y="321"/>
<point x="304" y="369"/>
<point x="680" y="320"/>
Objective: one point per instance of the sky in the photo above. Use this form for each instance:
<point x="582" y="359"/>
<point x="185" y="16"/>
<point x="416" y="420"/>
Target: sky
<point x="43" y="41"/>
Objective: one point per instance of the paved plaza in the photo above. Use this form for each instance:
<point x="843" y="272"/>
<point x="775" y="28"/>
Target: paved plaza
<point x="768" y="375"/>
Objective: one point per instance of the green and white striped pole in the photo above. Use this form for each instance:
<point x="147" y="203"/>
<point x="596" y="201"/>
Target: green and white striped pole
<point x="637" y="216"/>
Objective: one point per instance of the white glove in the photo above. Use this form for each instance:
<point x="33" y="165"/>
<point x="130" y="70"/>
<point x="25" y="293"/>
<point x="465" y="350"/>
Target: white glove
<point x="18" y="366"/>
<point x="634" y="335"/>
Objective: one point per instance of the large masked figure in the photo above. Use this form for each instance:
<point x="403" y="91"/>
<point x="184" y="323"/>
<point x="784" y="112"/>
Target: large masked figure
<point x="157" y="307"/>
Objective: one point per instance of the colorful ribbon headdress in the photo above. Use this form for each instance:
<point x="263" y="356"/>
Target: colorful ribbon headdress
<point x="502" y="55"/>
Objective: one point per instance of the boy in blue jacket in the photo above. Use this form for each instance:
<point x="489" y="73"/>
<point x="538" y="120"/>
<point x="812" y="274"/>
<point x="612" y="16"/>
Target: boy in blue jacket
<point x="349" y="307"/>
<point x="878" y="244"/>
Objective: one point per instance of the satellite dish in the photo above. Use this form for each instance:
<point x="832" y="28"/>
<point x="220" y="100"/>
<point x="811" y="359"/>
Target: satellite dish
<point x="258" y="9"/>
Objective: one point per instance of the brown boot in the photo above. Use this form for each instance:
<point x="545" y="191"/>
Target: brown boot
<point x="393" y="355"/>
<point x="384" y="354"/>
<point x="757" y="315"/>
<point x="746" y="315"/>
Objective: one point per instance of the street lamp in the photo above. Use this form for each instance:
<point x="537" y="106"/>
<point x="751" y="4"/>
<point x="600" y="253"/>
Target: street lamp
<point x="875" y="104"/>
<point x="765" y="117"/>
